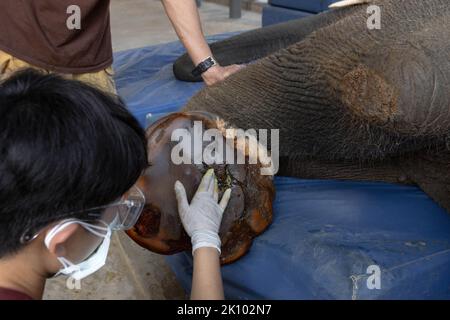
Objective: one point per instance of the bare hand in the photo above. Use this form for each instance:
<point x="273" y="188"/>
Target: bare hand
<point x="217" y="74"/>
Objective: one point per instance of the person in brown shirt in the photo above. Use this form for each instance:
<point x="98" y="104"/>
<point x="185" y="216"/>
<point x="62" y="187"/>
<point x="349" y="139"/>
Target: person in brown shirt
<point x="73" y="38"/>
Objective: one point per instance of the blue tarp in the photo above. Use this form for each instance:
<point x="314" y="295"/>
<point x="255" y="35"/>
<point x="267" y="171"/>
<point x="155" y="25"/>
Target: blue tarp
<point x="325" y="234"/>
<point x="273" y="15"/>
<point x="144" y="78"/>
<point x="313" y="6"/>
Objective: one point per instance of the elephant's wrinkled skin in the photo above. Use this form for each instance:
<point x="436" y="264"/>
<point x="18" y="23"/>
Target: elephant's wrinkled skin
<point x="350" y="103"/>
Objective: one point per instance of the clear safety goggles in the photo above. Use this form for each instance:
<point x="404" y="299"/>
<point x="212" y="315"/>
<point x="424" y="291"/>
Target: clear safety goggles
<point x="119" y="215"/>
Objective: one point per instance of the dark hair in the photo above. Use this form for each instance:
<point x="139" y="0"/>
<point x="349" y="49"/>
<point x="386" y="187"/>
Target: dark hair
<point x="64" y="146"/>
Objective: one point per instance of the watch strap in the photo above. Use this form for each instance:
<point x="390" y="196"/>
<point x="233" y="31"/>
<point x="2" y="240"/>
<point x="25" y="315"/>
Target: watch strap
<point x="204" y="66"/>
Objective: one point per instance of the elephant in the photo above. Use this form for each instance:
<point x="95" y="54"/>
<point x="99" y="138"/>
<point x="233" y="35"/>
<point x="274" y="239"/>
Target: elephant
<point x="351" y="102"/>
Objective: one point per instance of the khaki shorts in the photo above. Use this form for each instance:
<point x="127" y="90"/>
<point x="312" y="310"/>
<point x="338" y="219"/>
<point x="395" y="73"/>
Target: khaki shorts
<point x="102" y="79"/>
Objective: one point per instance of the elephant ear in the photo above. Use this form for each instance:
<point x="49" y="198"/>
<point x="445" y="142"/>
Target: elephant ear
<point x="347" y="3"/>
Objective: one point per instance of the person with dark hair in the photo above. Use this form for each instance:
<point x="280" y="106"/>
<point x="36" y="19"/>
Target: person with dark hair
<point x="70" y="156"/>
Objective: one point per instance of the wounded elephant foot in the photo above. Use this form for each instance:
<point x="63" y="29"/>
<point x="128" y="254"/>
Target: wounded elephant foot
<point x="249" y="211"/>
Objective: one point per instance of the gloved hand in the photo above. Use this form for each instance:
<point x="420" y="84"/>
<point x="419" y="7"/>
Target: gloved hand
<point x="202" y="217"/>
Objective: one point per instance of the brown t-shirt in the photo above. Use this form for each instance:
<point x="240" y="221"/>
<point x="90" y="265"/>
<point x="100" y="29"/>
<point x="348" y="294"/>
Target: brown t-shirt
<point x="36" y="31"/>
<point x="9" y="294"/>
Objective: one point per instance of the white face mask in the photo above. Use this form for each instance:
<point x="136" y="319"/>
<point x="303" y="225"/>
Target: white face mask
<point x="95" y="261"/>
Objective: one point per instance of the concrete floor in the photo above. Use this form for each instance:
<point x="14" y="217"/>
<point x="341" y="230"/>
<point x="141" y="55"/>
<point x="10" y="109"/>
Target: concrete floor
<point x="138" y="23"/>
<point x="132" y="272"/>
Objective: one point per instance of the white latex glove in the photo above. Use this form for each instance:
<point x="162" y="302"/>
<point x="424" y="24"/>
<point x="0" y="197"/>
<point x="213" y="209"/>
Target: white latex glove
<point x="202" y="217"/>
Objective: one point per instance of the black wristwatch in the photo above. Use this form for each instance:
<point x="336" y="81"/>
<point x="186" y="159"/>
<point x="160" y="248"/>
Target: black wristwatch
<point x="204" y="66"/>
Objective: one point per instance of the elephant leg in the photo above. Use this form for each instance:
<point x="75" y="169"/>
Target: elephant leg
<point x="431" y="172"/>
<point x="312" y="90"/>
<point x="383" y="171"/>
<point x="259" y="43"/>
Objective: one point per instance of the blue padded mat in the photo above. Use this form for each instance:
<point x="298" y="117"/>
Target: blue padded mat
<point x="325" y="234"/>
<point x="273" y="15"/>
<point x="314" y="6"/>
<point x="145" y="80"/>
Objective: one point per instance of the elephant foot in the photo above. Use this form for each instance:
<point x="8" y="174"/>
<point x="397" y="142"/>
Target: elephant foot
<point x="249" y="211"/>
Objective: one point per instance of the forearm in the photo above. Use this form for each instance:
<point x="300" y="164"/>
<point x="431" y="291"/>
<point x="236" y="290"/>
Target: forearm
<point x="201" y="219"/>
<point x="207" y="278"/>
<point x="186" y="21"/>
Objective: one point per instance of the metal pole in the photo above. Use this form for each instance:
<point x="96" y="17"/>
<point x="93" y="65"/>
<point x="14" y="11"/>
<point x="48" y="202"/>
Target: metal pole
<point x="235" y="9"/>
